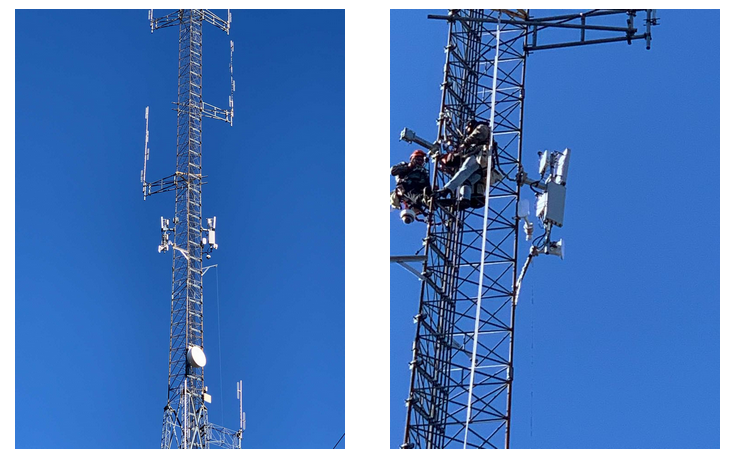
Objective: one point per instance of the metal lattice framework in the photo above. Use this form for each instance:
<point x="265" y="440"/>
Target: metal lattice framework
<point x="185" y="414"/>
<point x="462" y="361"/>
<point x="447" y="325"/>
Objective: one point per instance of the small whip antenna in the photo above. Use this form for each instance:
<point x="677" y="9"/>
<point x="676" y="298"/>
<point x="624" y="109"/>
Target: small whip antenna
<point x="241" y="414"/>
<point x="146" y="153"/>
<point x="233" y="82"/>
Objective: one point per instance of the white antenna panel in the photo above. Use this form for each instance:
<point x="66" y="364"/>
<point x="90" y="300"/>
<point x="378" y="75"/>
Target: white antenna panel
<point x="544" y="162"/>
<point x="523" y="208"/>
<point x="541" y="203"/>
<point x="562" y="167"/>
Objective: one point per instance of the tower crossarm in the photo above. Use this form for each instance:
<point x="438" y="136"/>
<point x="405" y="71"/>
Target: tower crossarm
<point x="171" y="19"/>
<point x="169" y="183"/>
<point x="176" y="17"/>
<point x="166" y="184"/>
<point x="223" y="437"/>
<point x="593" y="21"/>
<point x="209" y="110"/>
<point x="212" y="18"/>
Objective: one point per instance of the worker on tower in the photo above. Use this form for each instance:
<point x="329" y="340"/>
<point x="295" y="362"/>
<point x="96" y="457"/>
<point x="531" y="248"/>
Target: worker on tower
<point x="473" y="156"/>
<point x="413" y="184"/>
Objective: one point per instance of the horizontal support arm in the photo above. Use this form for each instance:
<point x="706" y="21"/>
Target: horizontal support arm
<point x="535" y="26"/>
<point x="408" y="259"/>
<point x="209" y="110"/>
<point x="175" y="17"/>
<point x="172" y="19"/>
<point x="541" y="21"/>
<point x="224" y="25"/>
<point x="585" y="42"/>
<point x="410" y="137"/>
<point x="588" y="14"/>
<point x="404" y="260"/>
<point x="162" y="185"/>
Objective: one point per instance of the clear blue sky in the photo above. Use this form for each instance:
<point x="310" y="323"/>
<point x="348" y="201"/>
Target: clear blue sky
<point x="93" y="295"/>
<point x="617" y="346"/>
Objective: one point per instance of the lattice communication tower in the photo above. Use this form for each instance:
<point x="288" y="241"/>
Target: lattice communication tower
<point x="186" y="422"/>
<point x="462" y="360"/>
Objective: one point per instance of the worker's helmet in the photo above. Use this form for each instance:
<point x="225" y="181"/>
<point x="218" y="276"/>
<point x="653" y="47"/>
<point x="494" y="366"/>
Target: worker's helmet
<point x="416" y="154"/>
<point x="471" y="124"/>
<point x="407" y="215"/>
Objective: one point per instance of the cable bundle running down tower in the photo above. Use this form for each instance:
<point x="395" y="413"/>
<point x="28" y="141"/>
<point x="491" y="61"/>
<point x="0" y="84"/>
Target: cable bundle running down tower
<point x="186" y="422"/>
<point x="462" y="359"/>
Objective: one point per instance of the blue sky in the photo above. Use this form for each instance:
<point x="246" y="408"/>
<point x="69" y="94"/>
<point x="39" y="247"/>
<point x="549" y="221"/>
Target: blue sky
<point x="91" y="292"/>
<point x="617" y="346"/>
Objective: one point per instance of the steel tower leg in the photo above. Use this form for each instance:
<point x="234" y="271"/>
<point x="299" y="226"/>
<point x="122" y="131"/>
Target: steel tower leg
<point x="466" y="316"/>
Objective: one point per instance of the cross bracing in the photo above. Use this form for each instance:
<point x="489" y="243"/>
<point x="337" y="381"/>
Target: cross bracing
<point x="446" y="324"/>
<point x="185" y="423"/>
<point x="462" y="360"/>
